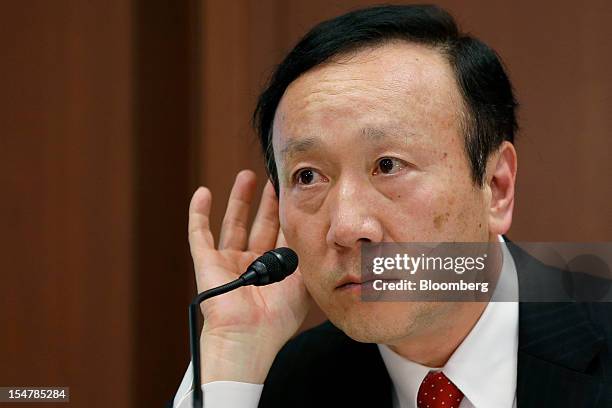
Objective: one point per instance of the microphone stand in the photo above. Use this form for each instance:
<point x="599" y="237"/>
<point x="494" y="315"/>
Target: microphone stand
<point x="273" y="266"/>
<point x="194" y="311"/>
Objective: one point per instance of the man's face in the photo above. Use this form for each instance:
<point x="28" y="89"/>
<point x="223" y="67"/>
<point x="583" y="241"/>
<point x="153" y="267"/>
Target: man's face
<point x="369" y="148"/>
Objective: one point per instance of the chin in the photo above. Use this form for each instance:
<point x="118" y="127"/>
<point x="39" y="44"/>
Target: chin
<point x="376" y="322"/>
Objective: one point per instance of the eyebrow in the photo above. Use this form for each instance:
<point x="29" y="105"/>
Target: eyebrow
<point x="298" y="146"/>
<point x="295" y="146"/>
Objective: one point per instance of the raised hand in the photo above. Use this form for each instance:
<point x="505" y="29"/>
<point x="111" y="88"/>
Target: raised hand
<point x="243" y="329"/>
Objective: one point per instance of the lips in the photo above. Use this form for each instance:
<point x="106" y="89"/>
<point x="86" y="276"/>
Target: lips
<point x="351" y="281"/>
<point x="349" y="286"/>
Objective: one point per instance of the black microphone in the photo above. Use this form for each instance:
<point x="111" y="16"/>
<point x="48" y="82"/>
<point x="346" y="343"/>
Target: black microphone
<point x="271" y="267"/>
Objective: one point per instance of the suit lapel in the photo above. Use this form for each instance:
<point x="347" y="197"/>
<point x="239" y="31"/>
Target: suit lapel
<point x="557" y="343"/>
<point x="368" y="382"/>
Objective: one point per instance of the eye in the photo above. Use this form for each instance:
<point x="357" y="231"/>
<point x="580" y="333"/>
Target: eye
<point x="307" y="177"/>
<point x="389" y="165"/>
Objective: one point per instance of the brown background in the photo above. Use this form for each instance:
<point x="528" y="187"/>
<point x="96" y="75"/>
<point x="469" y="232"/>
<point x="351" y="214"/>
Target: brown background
<point x="112" y="112"/>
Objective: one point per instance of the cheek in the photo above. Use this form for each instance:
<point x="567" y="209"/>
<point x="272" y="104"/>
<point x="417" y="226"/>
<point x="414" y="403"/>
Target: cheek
<point x="434" y="209"/>
<point x="304" y="232"/>
<point x="409" y="209"/>
<point x="457" y="214"/>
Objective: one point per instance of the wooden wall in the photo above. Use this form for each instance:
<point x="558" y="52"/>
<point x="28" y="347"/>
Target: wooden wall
<point x="67" y="206"/>
<point x="98" y="164"/>
<point x="113" y="112"/>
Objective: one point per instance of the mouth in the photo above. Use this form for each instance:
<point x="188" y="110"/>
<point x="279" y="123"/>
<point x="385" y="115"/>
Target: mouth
<point x="352" y="282"/>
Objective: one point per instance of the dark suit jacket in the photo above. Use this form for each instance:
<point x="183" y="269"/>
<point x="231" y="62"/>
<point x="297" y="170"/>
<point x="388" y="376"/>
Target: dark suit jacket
<point x="564" y="358"/>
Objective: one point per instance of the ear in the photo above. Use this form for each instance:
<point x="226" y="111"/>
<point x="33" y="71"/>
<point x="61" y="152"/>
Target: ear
<point x="500" y="179"/>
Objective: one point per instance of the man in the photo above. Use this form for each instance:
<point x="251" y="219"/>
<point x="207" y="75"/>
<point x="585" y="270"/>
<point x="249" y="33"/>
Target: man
<point x="384" y="125"/>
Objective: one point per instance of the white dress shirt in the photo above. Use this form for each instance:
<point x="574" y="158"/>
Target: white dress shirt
<point x="483" y="367"/>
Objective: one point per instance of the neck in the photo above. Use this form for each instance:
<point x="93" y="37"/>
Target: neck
<point x="433" y="346"/>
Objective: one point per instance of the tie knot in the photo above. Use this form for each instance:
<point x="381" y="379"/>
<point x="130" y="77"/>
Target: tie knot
<point x="437" y="391"/>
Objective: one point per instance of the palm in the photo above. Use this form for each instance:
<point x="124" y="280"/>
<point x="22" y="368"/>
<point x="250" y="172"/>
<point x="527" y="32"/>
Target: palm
<point x="277" y="309"/>
<point x="270" y="305"/>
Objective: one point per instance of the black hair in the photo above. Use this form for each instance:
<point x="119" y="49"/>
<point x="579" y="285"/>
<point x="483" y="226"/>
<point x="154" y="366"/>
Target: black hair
<point x="490" y="105"/>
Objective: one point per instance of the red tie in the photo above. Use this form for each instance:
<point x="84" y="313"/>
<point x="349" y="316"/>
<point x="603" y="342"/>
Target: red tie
<point x="437" y="391"/>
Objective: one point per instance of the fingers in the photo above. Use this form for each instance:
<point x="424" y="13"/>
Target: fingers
<point x="280" y="240"/>
<point x="265" y="226"/>
<point x="200" y="236"/>
<point x="234" y="229"/>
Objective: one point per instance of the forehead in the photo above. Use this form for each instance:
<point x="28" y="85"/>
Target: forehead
<point x="397" y="84"/>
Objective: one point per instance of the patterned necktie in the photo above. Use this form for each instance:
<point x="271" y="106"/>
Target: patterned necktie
<point x="437" y="391"/>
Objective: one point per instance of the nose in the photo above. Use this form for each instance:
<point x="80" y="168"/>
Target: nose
<point x="354" y="217"/>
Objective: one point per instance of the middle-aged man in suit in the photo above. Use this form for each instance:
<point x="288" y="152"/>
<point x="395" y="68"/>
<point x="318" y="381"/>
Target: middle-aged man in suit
<point x="385" y="125"/>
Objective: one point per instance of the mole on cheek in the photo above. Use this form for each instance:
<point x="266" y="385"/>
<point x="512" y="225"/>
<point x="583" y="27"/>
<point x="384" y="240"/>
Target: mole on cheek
<point x="440" y="219"/>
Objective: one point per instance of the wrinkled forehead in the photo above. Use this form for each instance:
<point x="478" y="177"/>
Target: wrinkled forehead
<point x="398" y="84"/>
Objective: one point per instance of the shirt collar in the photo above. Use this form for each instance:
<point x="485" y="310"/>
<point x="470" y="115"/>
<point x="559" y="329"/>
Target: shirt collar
<point x="483" y="367"/>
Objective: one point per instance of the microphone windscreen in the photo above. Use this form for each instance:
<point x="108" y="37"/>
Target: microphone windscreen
<point x="271" y="267"/>
<point x="289" y="259"/>
<point x="280" y="263"/>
